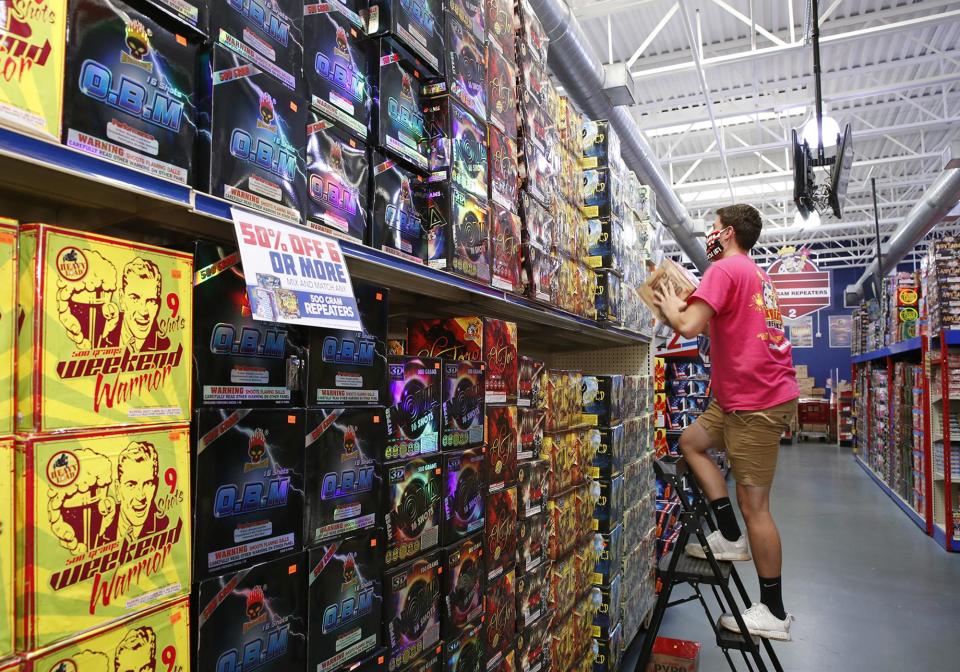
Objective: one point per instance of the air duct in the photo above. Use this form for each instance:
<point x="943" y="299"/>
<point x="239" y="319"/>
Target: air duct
<point x="937" y="201"/>
<point x="583" y="79"/>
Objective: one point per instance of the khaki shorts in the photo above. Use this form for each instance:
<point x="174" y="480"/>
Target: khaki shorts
<point x="751" y="439"/>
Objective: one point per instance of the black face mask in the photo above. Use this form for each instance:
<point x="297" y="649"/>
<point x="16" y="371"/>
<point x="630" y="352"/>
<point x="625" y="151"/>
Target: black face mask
<point x="714" y="244"/>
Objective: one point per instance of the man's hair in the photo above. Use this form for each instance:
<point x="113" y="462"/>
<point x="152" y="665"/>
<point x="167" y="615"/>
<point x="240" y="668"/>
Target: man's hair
<point x="139" y="451"/>
<point x="745" y="221"/>
<point x="143" y="269"/>
<point x="134" y="640"/>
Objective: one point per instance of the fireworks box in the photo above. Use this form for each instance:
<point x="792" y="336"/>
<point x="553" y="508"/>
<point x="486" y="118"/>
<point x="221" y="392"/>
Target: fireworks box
<point x="338" y="182"/>
<point x="611" y="553"/>
<point x="248" y="487"/>
<point x="458" y="145"/>
<point x="600" y="146"/>
<point x="458" y="237"/>
<point x="500" y="353"/>
<point x="343" y="446"/>
<point x="345" y="601"/>
<point x="532" y="542"/>
<point x="413" y="417"/>
<point x="129" y="85"/>
<point x="452" y="338"/>
<point x="500" y="615"/>
<point x="413" y="506"/>
<point x="463" y="494"/>
<point x="31" y="98"/>
<point x="263" y="124"/>
<point x="608" y="651"/>
<point x="503" y="442"/>
<point x="399" y="126"/>
<point x="105" y="336"/>
<point x="337" y="65"/>
<point x="539" y="227"/>
<point x="238" y="360"/>
<point x="500" y="27"/>
<point x="417" y="25"/>
<point x="105" y="527"/>
<point x="532" y="422"/>
<point x="532" y="650"/>
<point x="412" y="609"/>
<point x="674" y="654"/>
<point x="397" y="225"/>
<point x="466" y="67"/>
<point x="463" y="585"/>
<point x="463" y="651"/>
<point x="7" y="546"/>
<point x="265" y="34"/>
<point x="504" y="170"/>
<point x="504" y="249"/>
<point x="192" y="13"/>
<point x="532" y="487"/>
<point x="257" y="614"/>
<point x="602" y="400"/>
<point x="538" y="269"/>
<point x="8" y="324"/>
<point x="501" y="91"/>
<point x="471" y="14"/>
<point x="536" y="171"/>
<point x="350" y="367"/>
<point x="463" y="409"/>
<point x="606" y="243"/>
<point x="531" y="391"/>
<point x="141" y="642"/>
<point x="500" y="534"/>
<point x="532" y="591"/>
<point x="607" y="300"/>
<point x="608" y="615"/>
<point x="396" y="346"/>
<point x="598" y="194"/>
<point x="608" y="460"/>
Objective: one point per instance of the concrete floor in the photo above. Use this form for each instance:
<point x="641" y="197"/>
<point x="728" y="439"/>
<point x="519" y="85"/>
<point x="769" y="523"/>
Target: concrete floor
<point x="868" y="589"/>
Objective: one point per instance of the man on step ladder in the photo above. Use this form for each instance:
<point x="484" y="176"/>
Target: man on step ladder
<point x="755" y="400"/>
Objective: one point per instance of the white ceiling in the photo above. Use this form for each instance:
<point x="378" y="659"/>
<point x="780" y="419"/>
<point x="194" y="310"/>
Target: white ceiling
<point x="891" y="69"/>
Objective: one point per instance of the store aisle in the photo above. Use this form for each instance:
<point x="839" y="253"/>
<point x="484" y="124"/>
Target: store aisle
<point x="868" y="589"/>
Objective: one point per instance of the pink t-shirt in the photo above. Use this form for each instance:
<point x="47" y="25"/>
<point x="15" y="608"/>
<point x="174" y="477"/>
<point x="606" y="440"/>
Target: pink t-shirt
<point x="751" y="358"/>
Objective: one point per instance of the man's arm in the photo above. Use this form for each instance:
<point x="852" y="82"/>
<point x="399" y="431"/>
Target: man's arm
<point x="688" y="320"/>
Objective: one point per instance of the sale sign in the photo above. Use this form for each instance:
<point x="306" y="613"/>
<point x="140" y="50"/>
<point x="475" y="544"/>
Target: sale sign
<point x="802" y="289"/>
<point x="295" y="275"/>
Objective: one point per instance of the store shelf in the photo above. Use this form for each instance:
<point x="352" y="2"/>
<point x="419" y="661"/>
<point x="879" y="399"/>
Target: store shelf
<point x="940" y="537"/>
<point x="123" y="198"/>
<point x="910" y="345"/>
<point x="897" y="499"/>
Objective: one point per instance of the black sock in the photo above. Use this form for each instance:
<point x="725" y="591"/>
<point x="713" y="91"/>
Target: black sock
<point x="726" y="518"/>
<point x="771" y="594"/>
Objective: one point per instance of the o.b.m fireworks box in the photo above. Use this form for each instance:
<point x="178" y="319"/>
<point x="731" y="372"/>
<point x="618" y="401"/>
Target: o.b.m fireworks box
<point x="106" y="335"/>
<point x="154" y="639"/>
<point x="105" y="527"/>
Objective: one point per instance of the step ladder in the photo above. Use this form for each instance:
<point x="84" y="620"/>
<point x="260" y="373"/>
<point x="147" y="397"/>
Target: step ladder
<point x="679" y="568"/>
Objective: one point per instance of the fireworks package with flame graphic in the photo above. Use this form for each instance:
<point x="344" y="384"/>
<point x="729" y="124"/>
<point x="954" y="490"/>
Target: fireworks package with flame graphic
<point x="342" y="479"/>
<point x="466" y="66"/>
<point x="532" y="424"/>
<point x="239" y="360"/>
<point x="106" y="335"/>
<point x="500" y="616"/>
<point x="533" y="589"/>
<point x="532" y="541"/>
<point x="345" y="601"/>
<point x="463" y="404"/>
<point x="413" y="417"/>
<point x="451" y="338"/>
<point x="531" y="383"/>
<point x="398" y="123"/>
<point x="336" y="65"/>
<point x="414" y="508"/>
<point x="31" y="97"/>
<point x="501" y="92"/>
<point x="130" y="88"/>
<point x="463" y="583"/>
<point x="500" y="353"/>
<point x="105" y="529"/>
<point x="503" y="443"/>
<point x="397" y="224"/>
<point x="500" y="533"/>
<point x="463" y="651"/>
<point x="253" y="137"/>
<point x="504" y="170"/>
<point x="337" y="181"/>
<point x="258" y="614"/>
<point x="411" y="609"/>
<point x="505" y="249"/>
<point x="349" y="368"/>
<point x="457" y="239"/>
<point x="458" y="145"/>
<point x="154" y="639"/>
<point x="533" y="651"/>
<point x="8" y="323"/>
<point x="265" y="34"/>
<point x="248" y="501"/>
<point x="532" y="487"/>
<point x="501" y="30"/>
<point x="463" y="494"/>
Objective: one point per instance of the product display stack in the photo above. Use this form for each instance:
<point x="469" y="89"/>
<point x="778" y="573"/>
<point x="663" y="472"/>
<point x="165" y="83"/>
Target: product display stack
<point x="943" y="285"/>
<point x="918" y="460"/>
<point x="902" y="457"/>
<point x="879" y="448"/>
<point x="102" y="470"/>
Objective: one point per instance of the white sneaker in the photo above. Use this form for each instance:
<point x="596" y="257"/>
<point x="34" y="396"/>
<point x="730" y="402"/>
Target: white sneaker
<point x="723" y="549"/>
<point x="760" y="622"/>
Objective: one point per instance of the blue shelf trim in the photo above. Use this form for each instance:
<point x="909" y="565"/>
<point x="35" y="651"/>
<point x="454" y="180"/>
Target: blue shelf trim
<point x="941" y="538"/>
<point x="953" y="336"/>
<point x="906" y="508"/>
<point x="910" y="345"/>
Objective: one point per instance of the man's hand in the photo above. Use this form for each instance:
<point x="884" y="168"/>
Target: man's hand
<point x="686" y="319"/>
<point x="668" y="300"/>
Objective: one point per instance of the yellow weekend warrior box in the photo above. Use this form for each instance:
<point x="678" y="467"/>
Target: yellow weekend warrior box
<point x="155" y="640"/>
<point x="8" y="321"/>
<point x="32" y="45"/>
<point x="106" y="335"/>
<point x="103" y="529"/>
<point x="6" y="547"/>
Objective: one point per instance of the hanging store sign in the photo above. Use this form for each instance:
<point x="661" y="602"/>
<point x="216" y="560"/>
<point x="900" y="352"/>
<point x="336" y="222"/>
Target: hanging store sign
<point x="802" y="289"/>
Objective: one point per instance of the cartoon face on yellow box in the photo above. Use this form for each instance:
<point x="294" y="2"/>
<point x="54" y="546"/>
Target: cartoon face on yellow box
<point x="106" y="335"/>
<point x="157" y="639"/>
<point x="8" y="321"/>
<point x="105" y="530"/>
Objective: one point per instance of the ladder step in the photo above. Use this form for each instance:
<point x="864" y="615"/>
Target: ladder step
<point x="695" y="569"/>
<point x="733" y="640"/>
